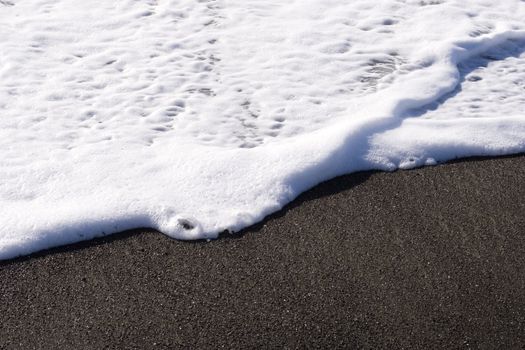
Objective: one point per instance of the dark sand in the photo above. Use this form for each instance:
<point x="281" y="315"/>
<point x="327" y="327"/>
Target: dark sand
<point x="428" y="258"/>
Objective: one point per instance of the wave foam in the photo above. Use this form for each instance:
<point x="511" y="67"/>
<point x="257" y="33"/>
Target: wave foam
<point x="199" y="117"/>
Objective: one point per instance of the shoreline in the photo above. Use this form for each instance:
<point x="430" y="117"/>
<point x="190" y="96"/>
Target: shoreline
<point x="429" y="256"/>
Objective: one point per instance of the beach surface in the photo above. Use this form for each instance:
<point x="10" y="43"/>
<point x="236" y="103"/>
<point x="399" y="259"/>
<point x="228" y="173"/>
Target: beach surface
<point x="426" y="258"/>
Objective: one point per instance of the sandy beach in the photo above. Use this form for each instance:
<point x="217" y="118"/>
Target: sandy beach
<point x="427" y="258"/>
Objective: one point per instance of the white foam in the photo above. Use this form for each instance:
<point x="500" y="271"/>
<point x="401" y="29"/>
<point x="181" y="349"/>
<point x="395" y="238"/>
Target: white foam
<point x="195" y="117"/>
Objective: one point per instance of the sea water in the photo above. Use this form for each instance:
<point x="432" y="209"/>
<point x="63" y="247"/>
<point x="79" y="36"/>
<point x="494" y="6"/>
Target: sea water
<point x="198" y="117"/>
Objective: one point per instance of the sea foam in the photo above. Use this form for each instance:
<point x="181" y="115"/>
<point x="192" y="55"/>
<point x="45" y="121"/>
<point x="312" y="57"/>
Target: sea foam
<point x="198" y="117"/>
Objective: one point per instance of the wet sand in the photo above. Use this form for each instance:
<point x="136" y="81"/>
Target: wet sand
<point x="427" y="258"/>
